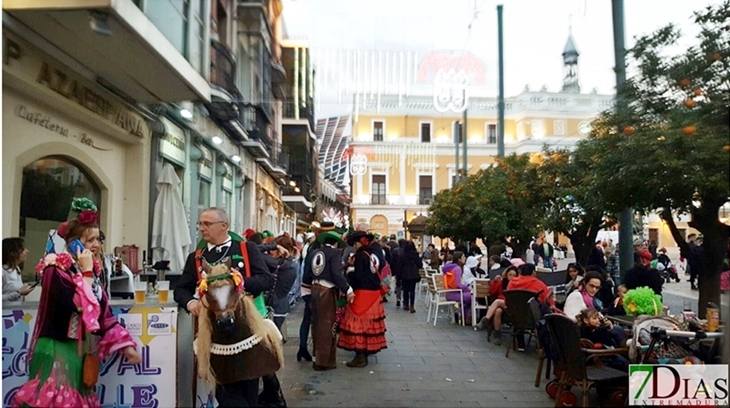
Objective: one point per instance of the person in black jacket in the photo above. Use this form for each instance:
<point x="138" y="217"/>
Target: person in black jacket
<point x="410" y="262"/>
<point x="396" y="266"/>
<point x="216" y="246"/>
<point x="328" y="282"/>
<point x="641" y="275"/>
<point x="363" y="327"/>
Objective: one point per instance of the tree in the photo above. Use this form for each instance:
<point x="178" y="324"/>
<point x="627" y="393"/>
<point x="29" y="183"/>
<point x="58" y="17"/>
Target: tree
<point x="497" y="204"/>
<point x="666" y="146"/>
<point x="572" y="204"/>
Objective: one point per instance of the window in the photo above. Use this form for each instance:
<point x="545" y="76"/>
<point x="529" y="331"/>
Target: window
<point x="49" y="187"/>
<point x="653" y="235"/>
<point x="378" y="189"/>
<point x="425" y="189"/>
<point x="491" y="133"/>
<point x="182" y="22"/>
<point x="456" y="132"/>
<point x="196" y="45"/>
<point x="426" y="132"/>
<point x="378" y="131"/>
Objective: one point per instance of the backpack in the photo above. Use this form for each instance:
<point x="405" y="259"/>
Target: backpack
<point x="450" y="280"/>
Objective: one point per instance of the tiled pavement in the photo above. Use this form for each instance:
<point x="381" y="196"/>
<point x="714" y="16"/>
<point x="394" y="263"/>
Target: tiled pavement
<point x="424" y="366"/>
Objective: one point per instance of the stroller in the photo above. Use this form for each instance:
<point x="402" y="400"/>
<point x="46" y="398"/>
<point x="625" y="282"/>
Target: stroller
<point x="666" y="340"/>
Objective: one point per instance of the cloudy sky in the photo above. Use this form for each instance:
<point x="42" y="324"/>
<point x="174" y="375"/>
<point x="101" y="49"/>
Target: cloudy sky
<point x="535" y="33"/>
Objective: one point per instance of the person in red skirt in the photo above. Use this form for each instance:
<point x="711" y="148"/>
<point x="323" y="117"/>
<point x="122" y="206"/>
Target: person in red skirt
<point x="362" y="329"/>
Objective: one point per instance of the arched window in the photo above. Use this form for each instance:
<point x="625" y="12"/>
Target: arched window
<point x="49" y="186"/>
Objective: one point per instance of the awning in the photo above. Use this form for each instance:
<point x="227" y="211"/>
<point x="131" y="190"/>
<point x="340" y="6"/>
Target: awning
<point x="170" y="234"/>
<point x="128" y="52"/>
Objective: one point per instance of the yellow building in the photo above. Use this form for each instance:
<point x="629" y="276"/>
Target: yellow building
<point x="403" y="148"/>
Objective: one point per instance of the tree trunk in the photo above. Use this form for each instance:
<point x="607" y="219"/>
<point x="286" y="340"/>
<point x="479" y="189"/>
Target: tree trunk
<point x="583" y="240"/>
<point x="714" y="251"/>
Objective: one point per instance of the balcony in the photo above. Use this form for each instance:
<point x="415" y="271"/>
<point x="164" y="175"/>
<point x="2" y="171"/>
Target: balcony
<point x="277" y="163"/>
<point x="223" y="72"/>
<point x="122" y="45"/>
<point x="256" y="124"/>
<point x="425" y="199"/>
<point x="298" y="196"/>
<point x="378" y="199"/>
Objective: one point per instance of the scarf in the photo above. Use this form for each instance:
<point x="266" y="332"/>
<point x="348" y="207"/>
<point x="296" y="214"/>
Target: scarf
<point x="591" y="301"/>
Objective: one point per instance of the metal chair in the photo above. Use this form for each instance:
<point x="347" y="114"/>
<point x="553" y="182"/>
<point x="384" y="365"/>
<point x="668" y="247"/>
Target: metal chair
<point x="479" y="290"/>
<point x="574" y="359"/>
<point x="520" y="316"/>
<point x="438" y="298"/>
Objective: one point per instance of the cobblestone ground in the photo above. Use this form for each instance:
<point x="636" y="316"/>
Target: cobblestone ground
<point x="424" y="366"/>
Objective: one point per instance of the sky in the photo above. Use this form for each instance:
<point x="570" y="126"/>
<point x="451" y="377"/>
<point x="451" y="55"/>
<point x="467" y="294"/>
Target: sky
<point x="535" y="33"/>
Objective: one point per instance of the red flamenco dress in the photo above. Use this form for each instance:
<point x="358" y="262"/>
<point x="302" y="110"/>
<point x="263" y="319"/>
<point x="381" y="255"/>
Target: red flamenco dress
<point x="362" y="328"/>
<point x="70" y="311"/>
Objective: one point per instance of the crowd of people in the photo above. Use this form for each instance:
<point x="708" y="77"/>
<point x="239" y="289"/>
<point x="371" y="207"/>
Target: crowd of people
<point x="344" y="282"/>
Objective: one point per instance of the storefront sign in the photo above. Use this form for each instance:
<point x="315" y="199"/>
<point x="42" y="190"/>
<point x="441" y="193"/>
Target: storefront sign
<point x="149" y="384"/>
<point x="26" y="62"/>
<point x="46" y="121"/>
<point x="227" y="183"/>
<point x="172" y="143"/>
<point x="206" y="163"/>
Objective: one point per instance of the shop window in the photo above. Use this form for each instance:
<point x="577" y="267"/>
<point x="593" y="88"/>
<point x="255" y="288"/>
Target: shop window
<point x="49" y="186"/>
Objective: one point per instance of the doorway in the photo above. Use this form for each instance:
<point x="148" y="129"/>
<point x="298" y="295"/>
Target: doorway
<point x="49" y="186"/>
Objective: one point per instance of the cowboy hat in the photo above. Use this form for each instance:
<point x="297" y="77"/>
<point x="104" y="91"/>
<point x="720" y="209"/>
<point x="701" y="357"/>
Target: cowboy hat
<point x="331" y="235"/>
<point x="356" y="236"/>
<point x="326" y="226"/>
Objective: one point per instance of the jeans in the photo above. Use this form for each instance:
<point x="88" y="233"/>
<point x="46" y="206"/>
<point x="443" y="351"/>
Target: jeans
<point x="409" y="292"/>
<point x="398" y="289"/>
<point x="547" y="262"/>
<point x="306" y="322"/>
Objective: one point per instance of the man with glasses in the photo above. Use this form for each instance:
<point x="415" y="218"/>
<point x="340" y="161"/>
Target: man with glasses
<point x="217" y="245"/>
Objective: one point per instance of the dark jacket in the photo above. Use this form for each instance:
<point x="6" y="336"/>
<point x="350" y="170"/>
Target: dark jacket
<point x="396" y="262"/>
<point x="326" y="264"/>
<point x="410" y="263"/>
<point x="637" y="277"/>
<point x="260" y="280"/>
<point x="284" y="272"/>
<point x="307" y="273"/>
<point x="541" y="250"/>
<point x="369" y="261"/>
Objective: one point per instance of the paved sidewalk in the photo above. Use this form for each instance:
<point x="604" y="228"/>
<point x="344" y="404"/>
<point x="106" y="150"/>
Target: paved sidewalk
<point x="424" y="366"/>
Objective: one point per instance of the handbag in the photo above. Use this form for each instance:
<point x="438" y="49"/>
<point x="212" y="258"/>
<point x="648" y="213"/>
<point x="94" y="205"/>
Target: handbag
<point x="90" y="370"/>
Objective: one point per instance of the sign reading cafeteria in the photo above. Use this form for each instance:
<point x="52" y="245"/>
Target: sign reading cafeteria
<point x="149" y="384"/>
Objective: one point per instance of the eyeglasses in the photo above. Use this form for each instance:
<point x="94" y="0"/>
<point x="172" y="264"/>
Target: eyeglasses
<point x="590" y="285"/>
<point x="207" y="224"/>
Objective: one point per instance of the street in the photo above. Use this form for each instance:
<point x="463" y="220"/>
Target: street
<point x="424" y="366"/>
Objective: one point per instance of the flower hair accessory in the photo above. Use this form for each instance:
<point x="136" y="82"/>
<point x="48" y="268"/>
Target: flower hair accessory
<point x="233" y="275"/>
<point x="81" y="204"/>
<point x="88" y="217"/>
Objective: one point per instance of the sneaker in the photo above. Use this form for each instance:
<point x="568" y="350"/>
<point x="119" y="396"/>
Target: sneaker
<point x="397" y="303"/>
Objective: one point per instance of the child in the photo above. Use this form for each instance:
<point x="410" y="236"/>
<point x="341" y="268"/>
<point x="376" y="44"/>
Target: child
<point x="617" y="306"/>
<point x="599" y="330"/>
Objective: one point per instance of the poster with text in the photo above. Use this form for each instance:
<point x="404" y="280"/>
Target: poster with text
<point x="149" y="384"/>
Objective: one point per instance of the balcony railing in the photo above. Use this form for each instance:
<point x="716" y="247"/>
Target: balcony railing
<point x="306" y="113"/>
<point x="378" y="199"/>
<point x="254" y="122"/>
<point x="426" y="199"/>
<point x="223" y="68"/>
<point x="278" y="157"/>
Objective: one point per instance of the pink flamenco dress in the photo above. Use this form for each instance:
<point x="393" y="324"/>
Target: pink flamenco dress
<point x="70" y="312"/>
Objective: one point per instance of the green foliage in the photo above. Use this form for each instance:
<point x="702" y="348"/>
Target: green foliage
<point x="494" y="204"/>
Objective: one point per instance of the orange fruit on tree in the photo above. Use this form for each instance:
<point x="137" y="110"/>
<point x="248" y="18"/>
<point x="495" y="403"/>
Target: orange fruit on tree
<point x="698" y="92"/>
<point x="629" y="130"/>
<point x="726" y="148"/>
<point x="690" y="103"/>
<point x="715" y="56"/>
<point x="689" y="130"/>
<point x="685" y="82"/>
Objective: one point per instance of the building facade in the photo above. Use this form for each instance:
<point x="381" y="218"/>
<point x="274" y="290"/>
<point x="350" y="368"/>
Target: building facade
<point x="137" y="86"/>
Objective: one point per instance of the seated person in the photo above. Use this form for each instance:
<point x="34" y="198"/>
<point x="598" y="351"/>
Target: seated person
<point x="617" y="306"/>
<point x="528" y="281"/>
<point x="600" y="331"/>
<point x="494" y="313"/>
<point x="573" y="275"/>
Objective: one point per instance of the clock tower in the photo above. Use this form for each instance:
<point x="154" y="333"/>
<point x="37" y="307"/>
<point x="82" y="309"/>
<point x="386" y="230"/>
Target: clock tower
<point x="570" y="67"/>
